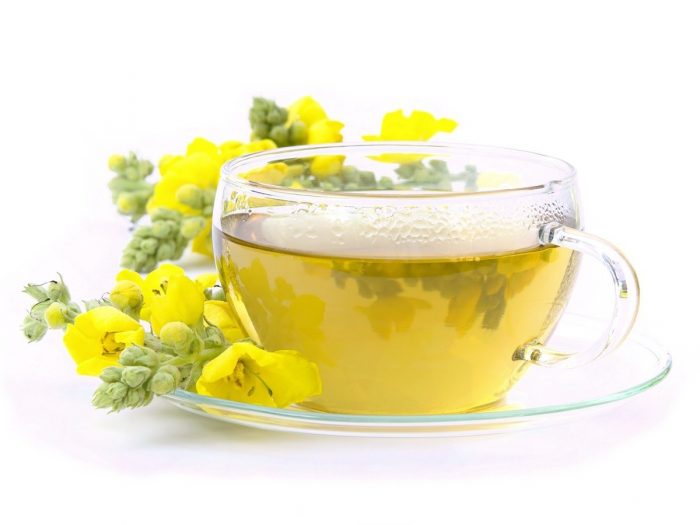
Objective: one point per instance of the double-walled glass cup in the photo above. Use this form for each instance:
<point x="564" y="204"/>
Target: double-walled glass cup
<point x="421" y="278"/>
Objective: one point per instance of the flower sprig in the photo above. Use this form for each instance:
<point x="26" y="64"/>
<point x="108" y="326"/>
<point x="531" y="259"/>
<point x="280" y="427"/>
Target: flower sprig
<point x="130" y="191"/>
<point x="193" y="342"/>
<point x="179" y="204"/>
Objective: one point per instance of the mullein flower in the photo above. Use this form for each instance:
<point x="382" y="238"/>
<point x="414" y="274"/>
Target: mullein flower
<point x="127" y="296"/>
<point x="189" y="332"/>
<point x="243" y="372"/>
<point x="220" y="314"/>
<point x="178" y="299"/>
<point x="182" y="202"/>
<point x="418" y="126"/>
<point x="98" y="336"/>
<point x="305" y="122"/>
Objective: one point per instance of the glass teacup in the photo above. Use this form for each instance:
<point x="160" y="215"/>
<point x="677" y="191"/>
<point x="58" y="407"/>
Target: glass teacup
<point x="421" y="278"/>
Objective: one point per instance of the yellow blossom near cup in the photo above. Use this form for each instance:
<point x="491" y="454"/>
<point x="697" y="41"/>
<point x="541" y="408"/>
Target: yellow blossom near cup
<point x="153" y="283"/>
<point x="199" y="167"/>
<point x="321" y="129"/>
<point x="220" y="314"/>
<point x="246" y="373"/>
<point x="98" y="336"/>
<point x="206" y="280"/>
<point x="418" y="126"/>
<point x="180" y="299"/>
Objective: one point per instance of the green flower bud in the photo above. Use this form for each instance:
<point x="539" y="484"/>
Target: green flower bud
<point x="139" y="259"/>
<point x="127" y="203"/>
<point x="111" y="374"/>
<point x="135" y="376"/>
<point x="138" y="356"/>
<point x="276" y="115"/>
<point x="278" y="135"/>
<point x="127" y="296"/>
<point x="162" y="214"/>
<point x="33" y="329"/>
<point x="177" y="335"/>
<point x="58" y="291"/>
<point x="162" y="229"/>
<point x="72" y="311"/>
<point x="192" y="226"/>
<point x="166" y="251"/>
<point x="135" y="398"/>
<point x="190" y="195"/>
<point x="149" y="246"/>
<point x="298" y="133"/>
<point x="385" y="183"/>
<point x="145" y="168"/>
<point x="116" y="162"/>
<point x="36" y="291"/>
<point x="132" y="173"/>
<point x="154" y="343"/>
<point x="165" y="380"/>
<point x="215" y="293"/>
<point x="214" y="337"/>
<point x="116" y="391"/>
<point x="100" y="399"/>
<point x="55" y="315"/>
<point x="261" y="130"/>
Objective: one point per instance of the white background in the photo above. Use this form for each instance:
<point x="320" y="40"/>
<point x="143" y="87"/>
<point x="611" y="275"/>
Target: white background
<point x="611" y="87"/>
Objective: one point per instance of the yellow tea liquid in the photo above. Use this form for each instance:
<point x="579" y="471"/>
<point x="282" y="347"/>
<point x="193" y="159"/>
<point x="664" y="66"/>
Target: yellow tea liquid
<point x="395" y="336"/>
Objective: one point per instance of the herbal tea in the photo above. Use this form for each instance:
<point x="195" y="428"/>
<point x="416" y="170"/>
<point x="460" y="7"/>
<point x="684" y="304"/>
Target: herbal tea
<point x="407" y="335"/>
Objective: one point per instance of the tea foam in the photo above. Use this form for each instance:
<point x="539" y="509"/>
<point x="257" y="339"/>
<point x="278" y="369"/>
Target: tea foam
<point x="445" y="230"/>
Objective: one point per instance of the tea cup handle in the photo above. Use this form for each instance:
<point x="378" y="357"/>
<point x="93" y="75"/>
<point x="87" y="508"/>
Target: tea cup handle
<point x="626" y="296"/>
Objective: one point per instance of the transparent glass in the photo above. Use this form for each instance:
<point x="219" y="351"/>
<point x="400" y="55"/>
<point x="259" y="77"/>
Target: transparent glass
<point x="545" y="396"/>
<point x="421" y="278"/>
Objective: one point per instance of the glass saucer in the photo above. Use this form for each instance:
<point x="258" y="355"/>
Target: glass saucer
<point x="542" y="397"/>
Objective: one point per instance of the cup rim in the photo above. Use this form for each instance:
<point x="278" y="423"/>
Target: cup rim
<point x="231" y="168"/>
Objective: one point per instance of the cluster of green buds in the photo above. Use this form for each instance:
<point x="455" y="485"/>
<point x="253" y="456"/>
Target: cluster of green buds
<point x="434" y="175"/>
<point x="164" y="239"/>
<point x="172" y="360"/>
<point x="130" y="191"/>
<point x="349" y="178"/>
<point x="132" y="385"/>
<point x="53" y="309"/>
<point x="269" y="121"/>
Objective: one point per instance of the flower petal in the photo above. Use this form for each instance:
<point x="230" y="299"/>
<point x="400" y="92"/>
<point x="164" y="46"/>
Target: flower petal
<point x="220" y="314"/>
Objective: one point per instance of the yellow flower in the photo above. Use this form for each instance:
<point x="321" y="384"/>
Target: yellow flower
<point x="98" y="336"/>
<point x="325" y="131"/>
<point x="220" y="314"/>
<point x="248" y="374"/>
<point x="307" y="110"/>
<point x="180" y="299"/>
<point x="321" y="129"/>
<point x="126" y="295"/>
<point x="326" y="165"/>
<point x="202" y="243"/>
<point x="419" y="125"/>
<point x="153" y="283"/>
<point x="201" y="166"/>
<point x="273" y="173"/>
<point x="206" y="280"/>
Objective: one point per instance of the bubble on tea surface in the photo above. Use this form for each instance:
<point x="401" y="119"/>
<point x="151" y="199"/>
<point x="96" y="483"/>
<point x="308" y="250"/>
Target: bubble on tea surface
<point x="449" y="229"/>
